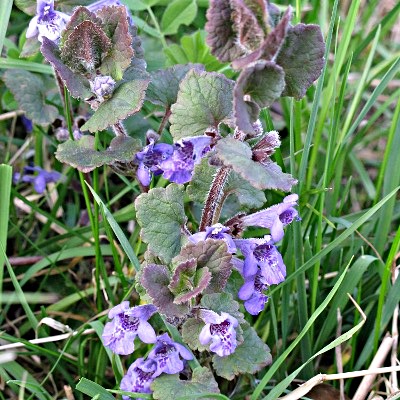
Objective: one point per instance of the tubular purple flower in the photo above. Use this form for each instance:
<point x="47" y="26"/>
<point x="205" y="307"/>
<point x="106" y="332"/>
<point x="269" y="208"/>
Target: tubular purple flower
<point x="252" y="293"/>
<point x="40" y="180"/>
<point x="47" y="22"/>
<point x="102" y="86"/>
<point x="126" y="324"/>
<point x="139" y="377"/>
<point x="220" y="329"/>
<point x="275" y="217"/>
<point x="217" y="231"/>
<point x="167" y="353"/>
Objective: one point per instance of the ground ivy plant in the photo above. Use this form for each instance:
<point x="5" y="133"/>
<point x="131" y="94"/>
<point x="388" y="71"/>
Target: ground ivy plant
<point x="200" y="276"/>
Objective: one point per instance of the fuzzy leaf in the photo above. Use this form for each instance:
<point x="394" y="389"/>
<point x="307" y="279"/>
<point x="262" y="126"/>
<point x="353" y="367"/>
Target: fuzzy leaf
<point x="164" y="85"/>
<point x="219" y="302"/>
<point x="85" y="48"/>
<point x="76" y="84"/>
<point x="201" y="181"/>
<point x="30" y="92"/>
<point x="116" y="27"/>
<point x="30" y="47"/>
<point x="221" y="34"/>
<point x="161" y="214"/>
<point x="261" y="83"/>
<point x="126" y="100"/>
<point x="249" y="357"/>
<point x="212" y="255"/>
<point x="302" y="58"/>
<point x="171" y="387"/>
<point x="137" y="62"/>
<point x="190" y="333"/>
<point x="81" y="154"/>
<point x="155" y="279"/>
<point x="204" y="100"/>
<point x="268" y="175"/>
<point x="178" y="12"/>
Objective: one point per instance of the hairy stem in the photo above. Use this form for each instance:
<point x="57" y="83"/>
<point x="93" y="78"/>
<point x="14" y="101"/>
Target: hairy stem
<point x="164" y="120"/>
<point x="119" y="129"/>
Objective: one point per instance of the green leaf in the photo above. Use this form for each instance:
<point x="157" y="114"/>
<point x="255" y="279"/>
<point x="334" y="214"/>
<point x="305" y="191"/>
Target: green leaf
<point x="178" y="12"/>
<point x="219" y="302"/>
<point x="116" y="27"/>
<point x="238" y="155"/>
<point x="155" y="279"/>
<point x="164" y="85"/>
<point x="81" y="154"/>
<point x="302" y="58"/>
<point x="92" y="389"/>
<point x="161" y="214"/>
<point x="171" y="387"/>
<point x="30" y="92"/>
<point x="249" y="357"/>
<point x="30" y="47"/>
<point x="204" y="101"/>
<point x="127" y="99"/>
<point x="190" y="333"/>
<point x="212" y="255"/>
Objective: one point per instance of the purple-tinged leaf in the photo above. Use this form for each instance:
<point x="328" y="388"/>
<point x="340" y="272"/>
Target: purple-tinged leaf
<point x="204" y="100"/>
<point x="155" y="279"/>
<point x="76" y="84"/>
<point x="115" y="25"/>
<point x="164" y="86"/>
<point x="238" y="156"/>
<point x="161" y="214"/>
<point x="302" y="58"/>
<point x="81" y="154"/>
<point x="85" y="48"/>
<point x="221" y="34"/>
<point x="171" y="387"/>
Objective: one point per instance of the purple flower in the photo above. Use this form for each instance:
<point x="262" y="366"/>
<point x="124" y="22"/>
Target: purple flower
<point x="187" y="153"/>
<point x="139" y="377"/>
<point x="40" y="180"/>
<point x="150" y="159"/>
<point x="275" y="217"/>
<point x="217" y="231"/>
<point x="102" y="86"/>
<point x="28" y="124"/>
<point x="166" y="354"/>
<point x="261" y="256"/>
<point x="220" y="330"/>
<point x="126" y="324"/>
<point x="47" y="22"/>
<point x="252" y="293"/>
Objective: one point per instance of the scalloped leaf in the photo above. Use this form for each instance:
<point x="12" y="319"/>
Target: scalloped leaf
<point x="204" y="101"/>
<point x="81" y="154"/>
<point x="238" y="156"/>
<point x="249" y="357"/>
<point x="164" y="86"/>
<point x="155" y="279"/>
<point x="261" y="83"/>
<point x="30" y="92"/>
<point x="126" y="100"/>
<point x="219" y="302"/>
<point x="212" y="255"/>
<point x="116" y="26"/>
<point x="221" y="36"/>
<point x="190" y="333"/>
<point x="85" y="49"/>
<point x="302" y="58"/>
<point x="76" y="84"/>
<point x="161" y="214"/>
<point x="171" y="387"/>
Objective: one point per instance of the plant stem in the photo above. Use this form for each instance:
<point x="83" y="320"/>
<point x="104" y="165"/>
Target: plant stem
<point x="119" y="129"/>
<point x="164" y="120"/>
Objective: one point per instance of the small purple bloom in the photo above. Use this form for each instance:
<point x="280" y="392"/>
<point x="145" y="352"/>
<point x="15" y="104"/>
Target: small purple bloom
<point x="275" y="217"/>
<point x="126" y="324"/>
<point x="220" y="330"/>
<point x="40" y="180"/>
<point x="166" y="354"/>
<point x="218" y="232"/>
<point x="47" y="22"/>
<point x="102" y="86"/>
<point x="139" y="377"/>
<point x="187" y="153"/>
<point x="150" y="159"/>
<point x="28" y="124"/>
<point x="252" y="293"/>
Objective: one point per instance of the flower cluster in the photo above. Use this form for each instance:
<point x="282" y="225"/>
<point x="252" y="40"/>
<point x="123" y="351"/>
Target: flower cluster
<point x="175" y="162"/>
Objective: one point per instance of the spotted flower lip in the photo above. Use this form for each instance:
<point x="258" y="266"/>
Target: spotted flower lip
<point x="217" y="231"/>
<point x="274" y="217"/>
<point x="40" y="180"/>
<point x="47" y="22"/>
<point x="166" y="353"/>
<point x="127" y="323"/>
<point x="139" y="377"/>
<point x="220" y="329"/>
<point x="252" y="293"/>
